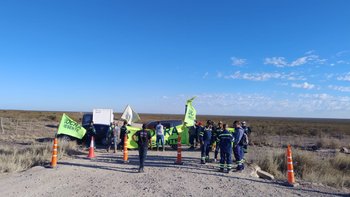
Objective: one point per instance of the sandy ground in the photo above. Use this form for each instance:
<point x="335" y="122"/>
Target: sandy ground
<point x="107" y="176"/>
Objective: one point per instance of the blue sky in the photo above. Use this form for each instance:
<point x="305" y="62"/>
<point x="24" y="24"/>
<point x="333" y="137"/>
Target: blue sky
<point x="246" y="58"/>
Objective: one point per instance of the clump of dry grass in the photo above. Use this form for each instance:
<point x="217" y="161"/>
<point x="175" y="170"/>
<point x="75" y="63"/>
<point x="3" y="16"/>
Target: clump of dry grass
<point x="331" y="143"/>
<point x="13" y="159"/>
<point x="309" y="167"/>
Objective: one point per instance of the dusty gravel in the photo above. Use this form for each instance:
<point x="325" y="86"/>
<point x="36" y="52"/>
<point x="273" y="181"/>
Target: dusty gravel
<point x="107" y="176"/>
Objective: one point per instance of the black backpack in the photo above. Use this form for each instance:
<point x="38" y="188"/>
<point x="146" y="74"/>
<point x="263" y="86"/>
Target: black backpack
<point x="244" y="141"/>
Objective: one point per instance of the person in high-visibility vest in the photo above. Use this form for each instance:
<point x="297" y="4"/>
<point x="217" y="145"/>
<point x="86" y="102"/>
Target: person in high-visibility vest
<point x="112" y="136"/>
<point x="247" y="131"/>
<point x="123" y="130"/>
<point x="215" y="136"/>
<point x="92" y="132"/>
<point x="224" y="141"/>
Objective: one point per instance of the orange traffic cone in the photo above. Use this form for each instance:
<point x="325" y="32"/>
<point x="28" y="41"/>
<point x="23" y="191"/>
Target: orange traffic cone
<point x="178" y="161"/>
<point x="54" y="153"/>
<point x="92" y="149"/>
<point x="290" y="169"/>
<point x="125" y="155"/>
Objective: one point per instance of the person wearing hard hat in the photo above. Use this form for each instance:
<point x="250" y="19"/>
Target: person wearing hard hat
<point x="224" y="141"/>
<point x="205" y="140"/>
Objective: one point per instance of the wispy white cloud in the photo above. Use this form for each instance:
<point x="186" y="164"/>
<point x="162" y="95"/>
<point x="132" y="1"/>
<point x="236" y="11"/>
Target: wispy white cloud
<point x="205" y="75"/>
<point x="298" y="62"/>
<point x="329" y="75"/>
<point x="346" y="77"/>
<point x="238" y="62"/>
<point x="265" y="76"/>
<point x="165" y="97"/>
<point x="339" y="88"/>
<point x="278" y="61"/>
<point x="340" y="61"/>
<point x="282" y="84"/>
<point x="309" y="52"/>
<point x="341" y="52"/>
<point x="303" y="85"/>
<point x="332" y="64"/>
<point x="219" y="74"/>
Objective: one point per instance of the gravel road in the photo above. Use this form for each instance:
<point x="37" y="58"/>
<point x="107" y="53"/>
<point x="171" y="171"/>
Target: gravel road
<point x="107" y="176"/>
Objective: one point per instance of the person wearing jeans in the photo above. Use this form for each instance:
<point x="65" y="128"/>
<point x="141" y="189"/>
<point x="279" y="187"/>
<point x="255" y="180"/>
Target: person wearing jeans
<point x="160" y="135"/>
<point x="143" y="138"/>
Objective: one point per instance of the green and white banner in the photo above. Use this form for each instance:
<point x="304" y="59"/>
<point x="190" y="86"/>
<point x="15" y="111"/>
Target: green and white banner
<point x="170" y="136"/>
<point x="71" y="128"/>
<point x="190" y="115"/>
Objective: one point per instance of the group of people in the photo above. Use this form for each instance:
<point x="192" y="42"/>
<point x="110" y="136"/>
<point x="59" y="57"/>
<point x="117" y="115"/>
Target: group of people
<point x="218" y="137"/>
<point x="209" y="137"/>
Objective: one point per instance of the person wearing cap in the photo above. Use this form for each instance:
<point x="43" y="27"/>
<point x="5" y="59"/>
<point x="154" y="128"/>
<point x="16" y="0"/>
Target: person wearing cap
<point x="193" y="134"/>
<point x="216" y="133"/>
<point x="224" y="141"/>
<point x="144" y="138"/>
<point x="237" y="148"/>
<point x="247" y="131"/>
<point x="205" y="139"/>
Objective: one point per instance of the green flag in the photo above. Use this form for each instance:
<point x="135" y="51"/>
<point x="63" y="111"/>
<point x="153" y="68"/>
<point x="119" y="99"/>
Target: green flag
<point x="190" y="115"/>
<point x="71" y="128"/>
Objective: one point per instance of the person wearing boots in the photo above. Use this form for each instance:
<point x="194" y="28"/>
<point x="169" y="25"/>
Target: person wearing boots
<point x="160" y="135"/>
<point x="205" y="139"/>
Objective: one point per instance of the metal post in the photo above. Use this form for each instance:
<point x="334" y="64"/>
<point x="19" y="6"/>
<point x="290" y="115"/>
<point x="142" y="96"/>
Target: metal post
<point x="2" y="127"/>
<point x="16" y="125"/>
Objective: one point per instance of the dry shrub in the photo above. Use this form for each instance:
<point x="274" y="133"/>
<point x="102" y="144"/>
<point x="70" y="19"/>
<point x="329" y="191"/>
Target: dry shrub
<point x="330" y="143"/>
<point x="309" y="167"/>
<point x="15" y="159"/>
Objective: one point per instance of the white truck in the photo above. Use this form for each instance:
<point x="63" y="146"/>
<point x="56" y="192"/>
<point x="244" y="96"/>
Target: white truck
<point x="102" y="119"/>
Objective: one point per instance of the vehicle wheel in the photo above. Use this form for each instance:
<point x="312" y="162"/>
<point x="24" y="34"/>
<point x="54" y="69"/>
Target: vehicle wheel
<point x="104" y="142"/>
<point x="174" y="146"/>
<point x="65" y="138"/>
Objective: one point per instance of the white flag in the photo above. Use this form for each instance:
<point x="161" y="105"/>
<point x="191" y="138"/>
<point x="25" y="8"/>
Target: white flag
<point x="130" y="115"/>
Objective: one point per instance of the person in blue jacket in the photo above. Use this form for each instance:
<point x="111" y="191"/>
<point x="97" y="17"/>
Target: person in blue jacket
<point x="205" y="140"/>
<point x="237" y="148"/>
<point x="224" y="141"/>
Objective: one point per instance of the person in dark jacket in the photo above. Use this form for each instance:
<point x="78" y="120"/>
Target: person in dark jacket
<point x="247" y="131"/>
<point x="123" y="130"/>
<point x="205" y="139"/>
<point x="144" y="138"/>
<point x="193" y="134"/>
<point x="224" y="141"/>
<point x="216" y="134"/>
<point x="92" y="132"/>
<point x="198" y="130"/>
<point x="237" y="148"/>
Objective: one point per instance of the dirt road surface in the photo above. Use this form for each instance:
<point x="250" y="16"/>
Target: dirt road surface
<point x="107" y="176"/>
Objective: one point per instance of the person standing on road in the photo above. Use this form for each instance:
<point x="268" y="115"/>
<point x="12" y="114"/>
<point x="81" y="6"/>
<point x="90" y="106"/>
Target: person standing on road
<point x="193" y="134"/>
<point x="112" y="136"/>
<point x="198" y="130"/>
<point x="205" y="139"/>
<point x="224" y="141"/>
<point x="123" y="130"/>
<point x="92" y="132"/>
<point x="237" y="148"/>
<point x="160" y="135"/>
<point x="216" y="134"/>
<point x="143" y="139"/>
<point x="247" y="131"/>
